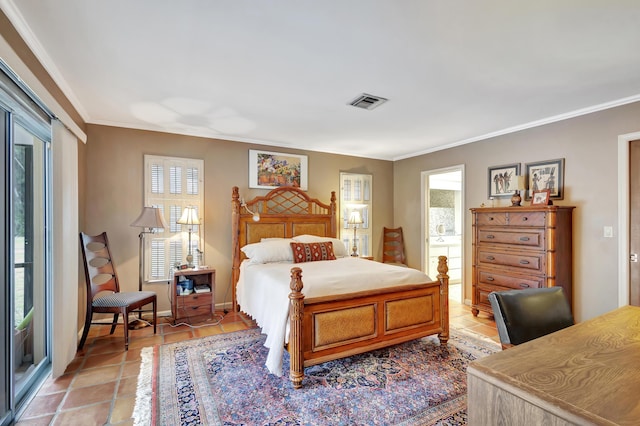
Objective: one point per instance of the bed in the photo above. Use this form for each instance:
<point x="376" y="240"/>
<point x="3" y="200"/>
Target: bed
<point x="320" y="327"/>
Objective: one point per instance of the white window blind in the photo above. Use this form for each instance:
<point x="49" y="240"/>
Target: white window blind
<point x="355" y="194"/>
<point x="171" y="184"/>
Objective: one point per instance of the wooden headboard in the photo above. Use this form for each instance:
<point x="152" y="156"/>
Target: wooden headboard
<point x="284" y="213"/>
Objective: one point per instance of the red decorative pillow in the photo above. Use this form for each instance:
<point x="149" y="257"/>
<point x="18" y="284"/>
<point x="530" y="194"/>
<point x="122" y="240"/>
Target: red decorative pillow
<point x="310" y="252"/>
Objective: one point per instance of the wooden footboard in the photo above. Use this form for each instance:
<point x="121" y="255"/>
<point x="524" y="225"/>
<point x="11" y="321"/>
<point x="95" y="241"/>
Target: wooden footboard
<point x="324" y="329"/>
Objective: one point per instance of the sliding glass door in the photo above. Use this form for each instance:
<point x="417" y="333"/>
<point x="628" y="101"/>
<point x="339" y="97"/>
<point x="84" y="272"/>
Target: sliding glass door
<point x="25" y="237"/>
<point x="29" y="225"/>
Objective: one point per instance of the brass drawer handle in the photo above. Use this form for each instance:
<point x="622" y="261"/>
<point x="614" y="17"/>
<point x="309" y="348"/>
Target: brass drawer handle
<point x="490" y="279"/>
<point x="491" y="258"/>
<point x="490" y="217"/>
<point x="523" y="285"/>
<point x="524" y="262"/>
<point x="525" y="218"/>
<point x="490" y="237"/>
<point x="524" y="238"/>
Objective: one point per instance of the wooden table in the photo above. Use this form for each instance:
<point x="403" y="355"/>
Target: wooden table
<point x="193" y="306"/>
<point x="587" y="374"/>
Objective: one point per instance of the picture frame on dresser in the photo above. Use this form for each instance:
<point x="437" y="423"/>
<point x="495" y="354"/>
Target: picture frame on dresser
<point x="502" y="180"/>
<point x="540" y="198"/>
<point x="545" y="175"/>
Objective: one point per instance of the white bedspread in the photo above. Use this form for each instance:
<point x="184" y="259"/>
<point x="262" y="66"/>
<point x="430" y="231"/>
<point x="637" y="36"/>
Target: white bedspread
<point x="263" y="291"/>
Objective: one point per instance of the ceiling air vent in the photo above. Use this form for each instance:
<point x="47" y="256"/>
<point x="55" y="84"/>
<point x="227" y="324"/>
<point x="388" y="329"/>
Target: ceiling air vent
<point x="366" y="101"/>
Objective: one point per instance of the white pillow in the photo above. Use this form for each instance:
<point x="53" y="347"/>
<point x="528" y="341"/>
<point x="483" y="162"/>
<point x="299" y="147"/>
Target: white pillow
<point x="269" y="251"/>
<point x="339" y="249"/>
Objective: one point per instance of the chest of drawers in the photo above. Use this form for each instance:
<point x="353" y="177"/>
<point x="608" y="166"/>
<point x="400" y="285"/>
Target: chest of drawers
<point x="520" y="247"/>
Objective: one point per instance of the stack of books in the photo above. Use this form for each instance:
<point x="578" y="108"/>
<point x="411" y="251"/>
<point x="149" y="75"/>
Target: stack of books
<point x="202" y="288"/>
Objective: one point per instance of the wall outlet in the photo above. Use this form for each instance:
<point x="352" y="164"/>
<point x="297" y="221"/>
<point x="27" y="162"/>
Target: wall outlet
<point x="608" y="231"/>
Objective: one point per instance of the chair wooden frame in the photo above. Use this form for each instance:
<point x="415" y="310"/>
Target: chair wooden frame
<point x="393" y="246"/>
<point x="103" y="288"/>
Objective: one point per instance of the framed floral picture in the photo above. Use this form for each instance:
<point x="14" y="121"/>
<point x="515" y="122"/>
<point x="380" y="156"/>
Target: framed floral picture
<point x="540" y="198"/>
<point x="546" y="175"/>
<point x="502" y="180"/>
<point x="269" y="170"/>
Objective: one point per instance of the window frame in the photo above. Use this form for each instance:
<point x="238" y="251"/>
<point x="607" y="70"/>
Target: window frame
<point x="164" y="248"/>
<point x="356" y="193"/>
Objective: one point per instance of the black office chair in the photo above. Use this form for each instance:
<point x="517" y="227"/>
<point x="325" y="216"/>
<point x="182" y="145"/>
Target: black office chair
<point x="523" y="315"/>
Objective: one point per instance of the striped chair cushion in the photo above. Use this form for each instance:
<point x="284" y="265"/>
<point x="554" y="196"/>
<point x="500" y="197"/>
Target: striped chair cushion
<point x="121" y="299"/>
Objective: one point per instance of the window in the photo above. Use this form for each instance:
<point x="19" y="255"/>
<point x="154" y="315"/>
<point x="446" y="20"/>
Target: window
<point x="171" y="184"/>
<point x="355" y="195"/>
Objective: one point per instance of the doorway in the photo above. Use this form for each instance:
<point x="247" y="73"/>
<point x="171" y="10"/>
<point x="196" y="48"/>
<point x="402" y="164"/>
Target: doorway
<point x="625" y="185"/>
<point x="442" y="224"/>
<point x="634" y="220"/>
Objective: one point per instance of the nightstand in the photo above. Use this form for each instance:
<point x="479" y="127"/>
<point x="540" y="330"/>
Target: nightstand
<point x="199" y="303"/>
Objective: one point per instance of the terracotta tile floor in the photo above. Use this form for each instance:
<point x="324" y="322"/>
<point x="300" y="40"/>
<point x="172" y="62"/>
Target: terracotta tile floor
<point x="99" y="386"/>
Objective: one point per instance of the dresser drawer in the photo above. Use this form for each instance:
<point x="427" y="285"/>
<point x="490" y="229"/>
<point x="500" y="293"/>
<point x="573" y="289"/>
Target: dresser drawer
<point x="491" y="219"/>
<point x="529" y="262"/>
<point x="482" y="296"/>
<point x="527" y="237"/>
<point x="510" y="281"/>
<point x="537" y="218"/>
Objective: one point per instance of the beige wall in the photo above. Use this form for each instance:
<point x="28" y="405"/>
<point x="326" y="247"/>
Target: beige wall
<point x="112" y="192"/>
<point x="589" y="146"/>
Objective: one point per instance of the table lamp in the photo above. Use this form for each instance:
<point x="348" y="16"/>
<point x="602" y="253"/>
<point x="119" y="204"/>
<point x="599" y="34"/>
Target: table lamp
<point x="189" y="217"/>
<point x="354" y="219"/>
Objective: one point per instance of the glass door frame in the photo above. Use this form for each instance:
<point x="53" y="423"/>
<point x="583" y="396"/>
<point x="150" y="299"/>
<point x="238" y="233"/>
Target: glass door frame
<point x="17" y="107"/>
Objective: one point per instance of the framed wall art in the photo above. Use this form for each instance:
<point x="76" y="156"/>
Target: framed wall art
<point x="502" y="180"/>
<point x="540" y="198"/>
<point x="269" y="170"/>
<point x="546" y="175"/>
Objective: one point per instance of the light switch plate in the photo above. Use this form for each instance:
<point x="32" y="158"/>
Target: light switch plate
<point x="608" y="231"/>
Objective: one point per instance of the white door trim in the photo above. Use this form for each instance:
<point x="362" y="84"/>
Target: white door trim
<point x="424" y="175"/>
<point x="623" y="216"/>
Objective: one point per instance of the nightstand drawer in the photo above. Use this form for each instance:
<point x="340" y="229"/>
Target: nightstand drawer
<point x="192" y="311"/>
<point x="194" y="300"/>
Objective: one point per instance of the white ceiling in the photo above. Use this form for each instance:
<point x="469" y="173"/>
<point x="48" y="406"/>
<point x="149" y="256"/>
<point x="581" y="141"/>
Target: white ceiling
<point x="282" y="72"/>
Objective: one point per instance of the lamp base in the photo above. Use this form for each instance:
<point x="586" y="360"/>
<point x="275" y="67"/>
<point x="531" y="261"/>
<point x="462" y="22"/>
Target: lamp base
<point x="190" y="260"/>
<point x="516" y="199"/>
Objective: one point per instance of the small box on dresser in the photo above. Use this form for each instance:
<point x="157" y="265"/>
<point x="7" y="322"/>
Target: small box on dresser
<point x="198" y="305"/>
<point x="520" y="247"/>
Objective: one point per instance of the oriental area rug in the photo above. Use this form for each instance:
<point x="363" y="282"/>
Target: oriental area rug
<point x="222" y="380"/>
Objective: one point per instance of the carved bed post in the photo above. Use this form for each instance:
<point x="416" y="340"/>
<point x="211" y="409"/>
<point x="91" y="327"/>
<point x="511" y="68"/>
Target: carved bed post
<point x="235" y="243"/>
<point x="332" y="212"/>
<point x="444" y="296"/>
<point x="296" y="309"/>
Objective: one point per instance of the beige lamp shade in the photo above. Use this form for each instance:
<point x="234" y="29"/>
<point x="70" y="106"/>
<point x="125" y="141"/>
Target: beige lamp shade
<point x="355" y="218"/>
<point x="519" y="183"/>
<point x="189" y="216"/>
<point x="150" y="217"/>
